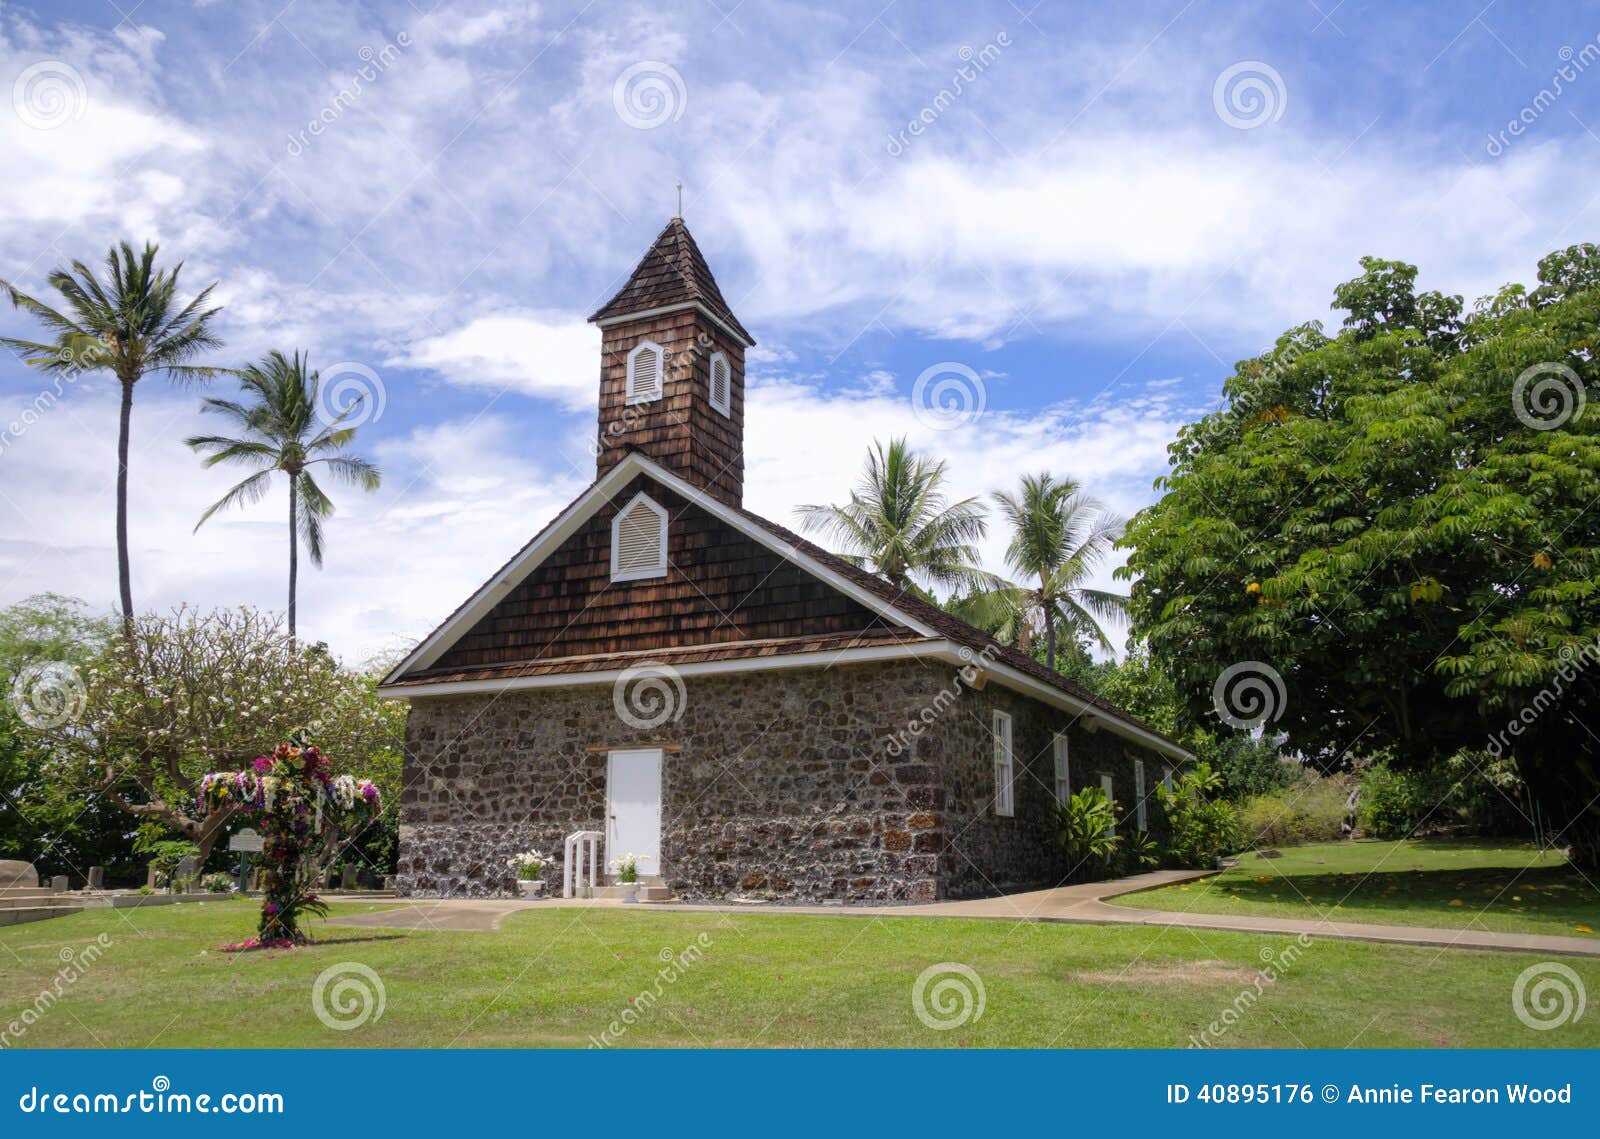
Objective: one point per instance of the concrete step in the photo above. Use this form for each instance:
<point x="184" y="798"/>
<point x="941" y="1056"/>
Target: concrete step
<point x="647" y="892"/>
<point x="26" y="892"/>
<point x="35" y="913"/>
<point x="46" y="900"/>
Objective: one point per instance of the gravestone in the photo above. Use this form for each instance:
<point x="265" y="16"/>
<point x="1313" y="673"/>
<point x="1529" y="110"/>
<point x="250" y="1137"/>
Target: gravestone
<point x="152" y="876"/>
<point x="348" y="882"/>
<point x="18" y="876"/>
<point x="97" y="877"/>
<point x="183" y="880"/>
<point x="59" y="884"/>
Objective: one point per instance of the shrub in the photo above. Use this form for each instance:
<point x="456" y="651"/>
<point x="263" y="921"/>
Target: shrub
<point x="1204" y="825"/>
<point x="1393" y="802"/>
<point x="1312" y="809"/>
<point x="1139" y="853"/>
<point x="1082" y="830"/>
<point x="1248" y="766"/>
<point x="218" y="883"/>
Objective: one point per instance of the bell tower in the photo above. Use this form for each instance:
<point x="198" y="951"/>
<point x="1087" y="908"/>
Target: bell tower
<point x="672" y="370"/>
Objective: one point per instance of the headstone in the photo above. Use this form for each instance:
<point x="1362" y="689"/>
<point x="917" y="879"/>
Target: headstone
<point x="184" y="878"/>
<point x="97" y="877"/>
<point x="152" y="876"/>
<point x="348" y="882"/>
<point x="18" y="876"/>
<point x="389" y="882"/>
<point x="59" y="884"/>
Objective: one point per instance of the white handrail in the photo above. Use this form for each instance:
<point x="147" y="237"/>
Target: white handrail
<point x="578" y="843"/>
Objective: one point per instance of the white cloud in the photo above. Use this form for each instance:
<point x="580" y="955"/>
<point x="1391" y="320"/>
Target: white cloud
<point x="552" y="355"/>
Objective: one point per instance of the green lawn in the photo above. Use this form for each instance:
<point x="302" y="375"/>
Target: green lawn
<point x="1472" y="885"/>
<point x="559" y="977"/>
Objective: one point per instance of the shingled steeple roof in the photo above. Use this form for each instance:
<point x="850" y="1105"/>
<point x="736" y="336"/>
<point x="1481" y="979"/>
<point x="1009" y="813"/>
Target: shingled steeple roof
<point x="672" y="274"/>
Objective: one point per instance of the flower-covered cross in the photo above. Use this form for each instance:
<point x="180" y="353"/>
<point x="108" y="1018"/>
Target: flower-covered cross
<point x="300" y="806"/>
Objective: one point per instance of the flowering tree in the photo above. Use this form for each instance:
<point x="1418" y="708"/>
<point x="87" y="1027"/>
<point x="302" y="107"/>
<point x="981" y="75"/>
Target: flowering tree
<point x="301" y="806"/>
<point x="192" y="692"/>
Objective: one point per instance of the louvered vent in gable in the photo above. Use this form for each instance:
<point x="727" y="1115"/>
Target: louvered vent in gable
<point x="639" y="541"/>
<point x="721" y="384"/>
<point x="645" y="365"/>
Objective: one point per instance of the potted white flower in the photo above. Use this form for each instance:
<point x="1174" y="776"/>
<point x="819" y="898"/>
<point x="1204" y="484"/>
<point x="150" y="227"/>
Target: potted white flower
<point x="528" y="866"/>
<point x="627" y="870"/>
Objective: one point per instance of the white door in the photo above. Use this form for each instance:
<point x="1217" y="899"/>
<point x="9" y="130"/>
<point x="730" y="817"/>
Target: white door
<point x="633" y="804"/>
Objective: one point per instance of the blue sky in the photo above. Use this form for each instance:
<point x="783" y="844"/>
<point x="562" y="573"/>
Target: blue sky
<point x="1108" y="208"/>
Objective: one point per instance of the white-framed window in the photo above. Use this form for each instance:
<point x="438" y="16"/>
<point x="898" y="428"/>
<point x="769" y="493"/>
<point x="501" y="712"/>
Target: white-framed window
<point x="1166" y="778"/>
<point x="721" y="384"/>
<point x="639" y="540"/>
<point x="645" y="364"/>
<point x="1138" y="789"/>
<point x="1003" y="802"/>
<point x="1108" y="787"/>
<point x="1063" y="768"/>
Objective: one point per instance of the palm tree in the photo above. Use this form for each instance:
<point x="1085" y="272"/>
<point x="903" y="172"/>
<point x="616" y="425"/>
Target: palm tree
<point x="281" y="431"/>
<point x="899" y="524"/>
<point x="130" y="326"/>
<point x="1058" y="536"/>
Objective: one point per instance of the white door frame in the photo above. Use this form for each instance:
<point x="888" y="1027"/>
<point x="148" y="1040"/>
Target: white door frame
<point x="651" y="862"/>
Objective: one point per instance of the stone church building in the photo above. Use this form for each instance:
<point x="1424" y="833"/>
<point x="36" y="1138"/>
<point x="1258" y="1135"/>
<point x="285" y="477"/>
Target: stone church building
<point x="748" y="714"/>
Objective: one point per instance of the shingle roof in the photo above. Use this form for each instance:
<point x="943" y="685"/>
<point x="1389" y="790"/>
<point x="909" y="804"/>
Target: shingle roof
<point x="672" y="272"/>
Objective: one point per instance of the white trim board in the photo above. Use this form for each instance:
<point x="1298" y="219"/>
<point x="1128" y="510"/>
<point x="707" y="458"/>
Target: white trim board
<point x="579" y="512"/>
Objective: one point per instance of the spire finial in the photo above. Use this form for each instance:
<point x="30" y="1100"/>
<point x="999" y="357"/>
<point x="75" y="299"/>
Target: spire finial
<point x="679" y="214"/>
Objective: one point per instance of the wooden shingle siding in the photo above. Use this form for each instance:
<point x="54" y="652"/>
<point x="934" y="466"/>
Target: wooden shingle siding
<point x="720" y="587"/>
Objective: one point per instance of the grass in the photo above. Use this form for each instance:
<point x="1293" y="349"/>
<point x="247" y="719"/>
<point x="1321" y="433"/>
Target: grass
<point x="1510" y="887"/>
<point x="559" y="977"/>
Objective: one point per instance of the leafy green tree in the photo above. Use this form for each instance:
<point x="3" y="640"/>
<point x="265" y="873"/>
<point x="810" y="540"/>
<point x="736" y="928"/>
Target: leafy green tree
<point x="129" y="325"/>
<point x="900" y="524"/>
<point x="281" y="431"/>
<point x="45" y="642"/>
<point x="1059" y="536"/>
<point x="1398" y="521"/>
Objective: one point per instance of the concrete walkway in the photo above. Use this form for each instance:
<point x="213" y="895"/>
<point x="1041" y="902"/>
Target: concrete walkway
<point x="1084" y="903"/>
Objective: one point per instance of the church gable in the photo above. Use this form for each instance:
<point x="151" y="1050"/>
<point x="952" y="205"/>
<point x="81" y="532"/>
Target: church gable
<point x="720" y="587"/>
